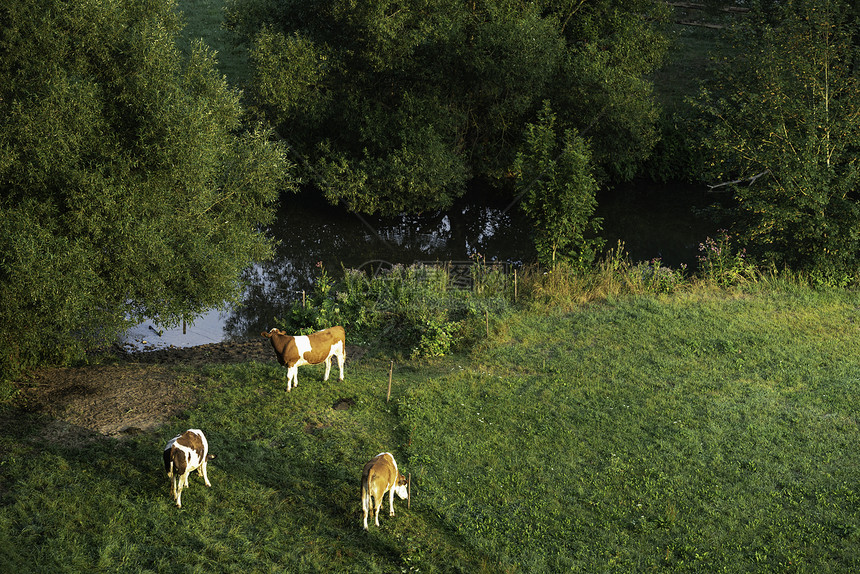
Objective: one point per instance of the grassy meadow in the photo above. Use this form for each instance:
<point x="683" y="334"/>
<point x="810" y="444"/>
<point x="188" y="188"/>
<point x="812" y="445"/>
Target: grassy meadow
<point x="702" y="431"/>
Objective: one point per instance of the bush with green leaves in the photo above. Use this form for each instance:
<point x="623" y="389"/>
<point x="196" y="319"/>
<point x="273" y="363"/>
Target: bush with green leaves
<point x="412" y="309"/>
<point x="555" y="182"/>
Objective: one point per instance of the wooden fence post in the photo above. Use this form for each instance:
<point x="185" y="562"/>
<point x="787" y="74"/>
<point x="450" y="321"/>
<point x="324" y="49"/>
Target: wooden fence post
<point x="390" y="373"/>
<point x="515" y="284"/>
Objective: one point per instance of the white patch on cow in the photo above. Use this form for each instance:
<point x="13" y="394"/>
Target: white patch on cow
<point x="303" y="345"/>
<point x="402" y="492"/>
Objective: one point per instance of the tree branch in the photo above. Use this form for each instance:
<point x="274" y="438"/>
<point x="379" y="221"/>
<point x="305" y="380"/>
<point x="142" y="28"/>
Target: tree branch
<point x="698" y="6"/>
<point x="751" y="181"/>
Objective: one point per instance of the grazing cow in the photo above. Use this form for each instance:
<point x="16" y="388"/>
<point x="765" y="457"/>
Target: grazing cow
<point x="379" y="476"/>
<point x="313" y="349"/>
<point x="183" y="455"/>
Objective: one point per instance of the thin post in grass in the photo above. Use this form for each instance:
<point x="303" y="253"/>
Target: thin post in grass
<point x="487" y="319"/>
<point x="515" y="284"/>
<point x="390" y="373"/>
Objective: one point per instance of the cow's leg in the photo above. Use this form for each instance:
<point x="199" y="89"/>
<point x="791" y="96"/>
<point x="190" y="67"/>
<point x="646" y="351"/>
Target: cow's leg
<point x="183" y="481"/>
<point x="205" y="475"/>
<point x="378" y="504"/>
<point x="391" y="500"/>
<point x="292" y="377"/>
<point x="327" y="367"/>
<point x="341" y="358"/>
<point x="172" y="477"/>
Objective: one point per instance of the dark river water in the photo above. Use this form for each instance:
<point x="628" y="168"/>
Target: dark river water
<point x="653" y="221"/>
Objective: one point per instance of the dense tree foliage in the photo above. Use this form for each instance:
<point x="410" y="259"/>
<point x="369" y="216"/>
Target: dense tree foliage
<point x="784" y="116"/>
<point x="127" y="186"/>
<point x="558" y="193"/>
<point x="396" y="106"/>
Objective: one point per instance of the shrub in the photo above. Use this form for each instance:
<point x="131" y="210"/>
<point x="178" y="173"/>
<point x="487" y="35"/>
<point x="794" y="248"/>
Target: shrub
<point x="414" y="308"/>
<point x="722" y="264"/>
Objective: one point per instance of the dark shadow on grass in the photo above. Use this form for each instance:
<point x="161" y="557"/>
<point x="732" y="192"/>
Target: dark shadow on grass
<point x="320" y="493"/>
<point x="132" y="463"/>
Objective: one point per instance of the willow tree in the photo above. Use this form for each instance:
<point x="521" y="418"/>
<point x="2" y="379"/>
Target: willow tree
<point x="396" y="106"/>
<point x="784" y="118"/>
<point x="128" y="185"/>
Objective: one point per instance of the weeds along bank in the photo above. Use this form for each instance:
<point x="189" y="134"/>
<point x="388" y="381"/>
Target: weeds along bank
<point x="426" y="311"/>
<point x="691" y="429"/>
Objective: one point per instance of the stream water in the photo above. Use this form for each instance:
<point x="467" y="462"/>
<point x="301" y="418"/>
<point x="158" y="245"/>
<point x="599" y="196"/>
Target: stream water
<point x="653" y="221"/>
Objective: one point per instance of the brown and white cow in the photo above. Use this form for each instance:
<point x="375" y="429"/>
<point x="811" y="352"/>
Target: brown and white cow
<point x="379" y="476"/>
<point x="183" y="455"/>
<point x="294" y="352"/>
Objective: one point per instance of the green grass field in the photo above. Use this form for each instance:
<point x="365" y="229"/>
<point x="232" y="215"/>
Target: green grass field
<point x="684" y="433"/>
<point x="203" y="21"/>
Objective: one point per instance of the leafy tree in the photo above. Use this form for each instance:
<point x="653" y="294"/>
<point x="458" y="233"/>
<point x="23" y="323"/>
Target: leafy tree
<point x="398" y="105"/>
<point x="128" y="188"/>
<point x="784" y="119"/>
<point x="558" y="193"/>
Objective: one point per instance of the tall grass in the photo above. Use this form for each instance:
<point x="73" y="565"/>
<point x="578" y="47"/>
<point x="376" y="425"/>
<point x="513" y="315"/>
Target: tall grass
<point x="423" y="311"/>
<point x="613" y="276"/>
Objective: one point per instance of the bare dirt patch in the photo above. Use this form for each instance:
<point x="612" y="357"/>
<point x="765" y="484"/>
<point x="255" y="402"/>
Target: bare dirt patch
<point x="137" y="393"/>
<point x="105" y="400"/>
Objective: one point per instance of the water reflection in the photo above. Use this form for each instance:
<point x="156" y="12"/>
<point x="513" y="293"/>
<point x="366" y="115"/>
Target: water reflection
<point x="658" y="221"/>
<point x="309" y="232"/>
<point x="653" y="221"/>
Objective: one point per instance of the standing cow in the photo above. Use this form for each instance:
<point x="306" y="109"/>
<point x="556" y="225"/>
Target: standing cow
<point x="379" y="476"/>
<point x="294" y="352"/>
<point x="183" y="455"/>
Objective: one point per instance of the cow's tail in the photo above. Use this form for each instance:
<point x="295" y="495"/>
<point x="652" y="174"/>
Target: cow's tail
<point x="365" y="496"/>
<point x="168" y="467"/>
<point x="366" y="502"/>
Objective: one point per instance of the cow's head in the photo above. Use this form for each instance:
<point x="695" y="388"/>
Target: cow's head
<point x="402" y="486"/>
<point x="274" y="331"/>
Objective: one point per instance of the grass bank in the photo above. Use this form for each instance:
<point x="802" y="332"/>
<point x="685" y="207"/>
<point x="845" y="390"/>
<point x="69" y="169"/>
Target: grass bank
<point x="700" y="431"/>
